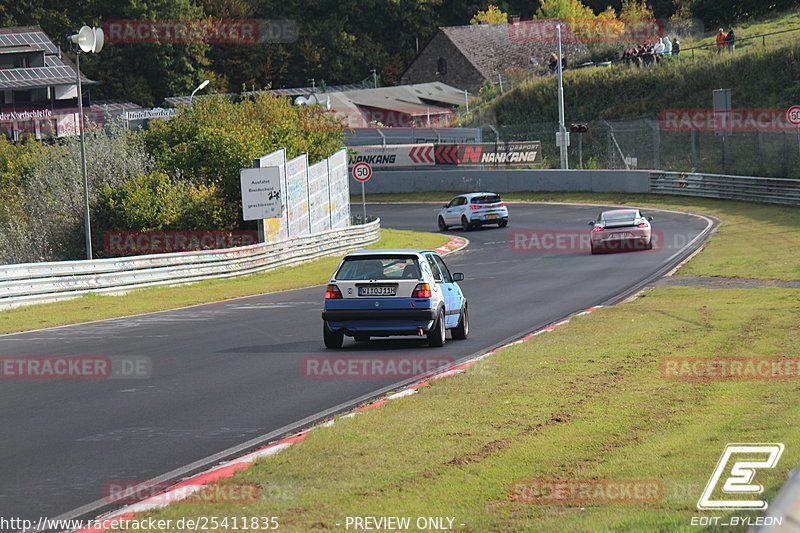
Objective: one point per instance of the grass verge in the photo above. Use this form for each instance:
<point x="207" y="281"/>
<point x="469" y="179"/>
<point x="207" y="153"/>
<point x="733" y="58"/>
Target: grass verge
<point x="586" y="402"/>
<point x="97" y="307"/>
<point x="755" y="240"/>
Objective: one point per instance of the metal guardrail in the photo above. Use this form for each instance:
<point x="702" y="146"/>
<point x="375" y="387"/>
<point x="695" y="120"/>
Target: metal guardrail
<point x="750" y="189"/>
<point x="30" y="283"/>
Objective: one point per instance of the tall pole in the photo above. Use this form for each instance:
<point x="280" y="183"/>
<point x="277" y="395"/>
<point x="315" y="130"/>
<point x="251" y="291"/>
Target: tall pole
<point x="86" y="219"/>
<point x="562" y="130"/>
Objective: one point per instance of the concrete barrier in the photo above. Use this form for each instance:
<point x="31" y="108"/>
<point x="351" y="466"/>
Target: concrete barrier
<point x="466" y="180"/>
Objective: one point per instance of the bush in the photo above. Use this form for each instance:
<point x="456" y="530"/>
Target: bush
<point x="45" y="221"/>
<point x="158" y="202"/>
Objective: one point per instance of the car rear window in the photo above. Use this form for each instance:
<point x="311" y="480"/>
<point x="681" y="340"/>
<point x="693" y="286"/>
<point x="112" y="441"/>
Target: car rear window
<point x="378" y="267"/>
<point x="488" y="199"/>
<point x="622" y="215"/>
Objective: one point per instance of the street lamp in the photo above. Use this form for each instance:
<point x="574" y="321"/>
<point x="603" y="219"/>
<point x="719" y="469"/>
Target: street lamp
<point x="199" y="87"/>
<point x="562" y="137"/>
<point x="374" y="76"/>
<point x="88" y="40"/>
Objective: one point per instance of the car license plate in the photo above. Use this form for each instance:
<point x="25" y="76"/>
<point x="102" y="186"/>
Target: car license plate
<point x="377" y="290"/>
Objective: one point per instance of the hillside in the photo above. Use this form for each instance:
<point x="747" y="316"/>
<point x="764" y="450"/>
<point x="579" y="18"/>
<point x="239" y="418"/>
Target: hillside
<point x="761" y="75"/>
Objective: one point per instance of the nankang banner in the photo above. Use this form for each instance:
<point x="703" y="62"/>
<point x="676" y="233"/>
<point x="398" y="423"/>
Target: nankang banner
<point x="508" y="153"/>
<point x="417" y="155"/>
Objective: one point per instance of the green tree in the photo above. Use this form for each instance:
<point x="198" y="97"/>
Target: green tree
<point x="490" y="15"/>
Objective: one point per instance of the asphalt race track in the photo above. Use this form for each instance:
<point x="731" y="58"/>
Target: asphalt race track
<point x="228" y="374"/>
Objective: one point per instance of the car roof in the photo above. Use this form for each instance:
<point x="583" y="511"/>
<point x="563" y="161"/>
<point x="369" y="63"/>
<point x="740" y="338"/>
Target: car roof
<point x="474" y="194"/>
<point x="390" y="251"/>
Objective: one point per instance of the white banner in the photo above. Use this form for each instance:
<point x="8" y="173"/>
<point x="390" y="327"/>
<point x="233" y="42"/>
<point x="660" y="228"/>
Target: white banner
<point x="315" y="198"/>
<point x="339" y="189"/>
<point x="318" y="198"/>
<point x="276" y="228"/>
<point x="297" y="195"/>
<point x="393" y="155"/>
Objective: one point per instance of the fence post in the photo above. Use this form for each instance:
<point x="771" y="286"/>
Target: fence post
<point x="611" y="154"/>
<point x="656" y="143"/>
<point x="694" y="150"/>
<point x="786" y="154"/>
<point x="760" y="150"/>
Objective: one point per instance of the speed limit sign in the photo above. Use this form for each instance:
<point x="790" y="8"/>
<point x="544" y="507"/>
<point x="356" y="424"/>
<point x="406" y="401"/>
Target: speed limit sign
<point x="793" y="115"/>
<point x="362" y="171"/>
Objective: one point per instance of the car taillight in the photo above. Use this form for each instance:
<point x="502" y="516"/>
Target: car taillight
<point x="475" y="206"/>
<point x="332" y="292"/>
<point x="501" y="204"/>
<point x="597" y="229"/>
<point x="422" y="290"/>
<point x="642" y="225"/>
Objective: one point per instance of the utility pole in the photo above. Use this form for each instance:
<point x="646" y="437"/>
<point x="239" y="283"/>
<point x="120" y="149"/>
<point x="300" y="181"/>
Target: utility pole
<point x="562" y="137"/>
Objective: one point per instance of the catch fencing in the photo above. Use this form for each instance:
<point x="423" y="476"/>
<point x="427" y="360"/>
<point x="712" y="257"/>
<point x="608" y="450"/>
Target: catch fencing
<point x="647" y="143"/>
<point x="31" y="283"/>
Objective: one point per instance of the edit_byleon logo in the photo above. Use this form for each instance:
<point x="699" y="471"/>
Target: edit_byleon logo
<point x="734" y="474"/>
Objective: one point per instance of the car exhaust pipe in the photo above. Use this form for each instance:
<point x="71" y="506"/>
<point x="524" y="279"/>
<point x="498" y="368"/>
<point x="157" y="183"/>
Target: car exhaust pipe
<point x="419" y="331"/>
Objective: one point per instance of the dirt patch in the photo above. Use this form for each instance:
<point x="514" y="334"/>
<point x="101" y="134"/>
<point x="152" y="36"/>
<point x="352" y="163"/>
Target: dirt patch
<point x="485" y="451"/>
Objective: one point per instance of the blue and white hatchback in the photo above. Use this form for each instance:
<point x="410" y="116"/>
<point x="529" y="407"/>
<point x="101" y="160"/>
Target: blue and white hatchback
<point x="380" y="293"/>
<point x="472" y="210"/>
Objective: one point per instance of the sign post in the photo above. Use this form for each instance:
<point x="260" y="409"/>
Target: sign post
<point x="793" y="118"/>
<point x="362" y="172"/>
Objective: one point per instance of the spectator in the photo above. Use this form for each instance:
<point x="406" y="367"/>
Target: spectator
<point x="730" y="40"/>
<point x="676" y="47"/>
<point x="667" y="46"/>
<point x="552" y="63"/>
<point x="720" y="40"/>
<point x="658" y="49"/>
<point x="563" y="62"/>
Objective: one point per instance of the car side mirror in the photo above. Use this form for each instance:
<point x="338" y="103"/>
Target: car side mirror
<point x="458" y="276"/>
<point x="649" y="219"/>
<point x="591" y="223"/>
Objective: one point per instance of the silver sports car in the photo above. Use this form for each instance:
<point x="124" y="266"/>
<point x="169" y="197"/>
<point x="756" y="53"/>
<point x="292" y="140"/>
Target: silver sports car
<point x="621" y="230"/>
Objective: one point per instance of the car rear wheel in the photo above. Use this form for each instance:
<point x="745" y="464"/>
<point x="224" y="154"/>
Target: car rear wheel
<point x="594" y="249"/>
<point x="461" y="331"/>
<point x="465" y="225"/>
<point x="442" y="225"/>
<point x="649" y="245"/>
<point x="333" y="339"/>
<point x="502" y="224"/>
<point x="436" y="336"/>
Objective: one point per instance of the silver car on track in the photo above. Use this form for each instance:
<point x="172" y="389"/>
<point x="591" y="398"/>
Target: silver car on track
<point x="473" y="210"/>
<point x="621" y="230"/>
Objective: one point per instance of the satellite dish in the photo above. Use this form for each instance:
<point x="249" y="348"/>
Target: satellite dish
<point x="99" y="40"/>
<point x="300" y="100"/>
<point x="86" y="39"/>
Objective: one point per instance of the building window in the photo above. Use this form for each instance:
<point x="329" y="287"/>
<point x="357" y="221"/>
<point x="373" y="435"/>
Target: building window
<point x="441" y="66"/>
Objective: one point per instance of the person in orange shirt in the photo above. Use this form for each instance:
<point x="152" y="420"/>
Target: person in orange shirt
<point x="720" y="40"/>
